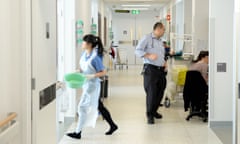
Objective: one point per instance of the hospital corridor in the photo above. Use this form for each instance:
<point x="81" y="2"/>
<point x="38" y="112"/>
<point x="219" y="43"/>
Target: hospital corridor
<point x="126" y="103"/>
<point x="119" y="72"/>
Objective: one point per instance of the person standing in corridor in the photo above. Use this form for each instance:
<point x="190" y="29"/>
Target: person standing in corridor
<point x="151" y="49"/>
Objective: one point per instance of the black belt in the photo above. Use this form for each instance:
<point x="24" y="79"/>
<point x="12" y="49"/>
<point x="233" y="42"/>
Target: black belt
<point x="155" y="67"/>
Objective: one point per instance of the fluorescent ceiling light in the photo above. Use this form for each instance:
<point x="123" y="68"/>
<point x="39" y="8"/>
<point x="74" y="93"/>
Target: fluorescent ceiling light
<point x="138" y="0"/>
<point x="178" y="1"/>
<point x="136" y="5"/>
<point x="135" y="9"/>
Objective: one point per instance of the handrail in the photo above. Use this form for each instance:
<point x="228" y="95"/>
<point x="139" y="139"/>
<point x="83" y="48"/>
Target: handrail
<point x="11" y="117"/>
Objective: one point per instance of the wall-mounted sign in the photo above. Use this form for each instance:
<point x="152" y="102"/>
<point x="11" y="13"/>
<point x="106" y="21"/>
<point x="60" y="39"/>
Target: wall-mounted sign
<point x="79" y="32"/>
<point x="94" y="29"/>
<point x="110" y="33"/>
<point x="135" y="11"/>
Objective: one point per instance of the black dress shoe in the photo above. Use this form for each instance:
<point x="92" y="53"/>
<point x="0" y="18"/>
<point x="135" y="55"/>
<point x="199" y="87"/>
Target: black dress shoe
<point x="74" y="135"/>
<point x="150" y="120"/>
<point x="157" y="115"/>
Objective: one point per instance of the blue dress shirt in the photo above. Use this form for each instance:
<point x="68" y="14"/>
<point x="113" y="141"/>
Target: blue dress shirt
<point x="150" y="44"/>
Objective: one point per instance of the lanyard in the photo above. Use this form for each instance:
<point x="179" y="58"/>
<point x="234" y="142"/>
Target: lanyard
<point x="152" y="38"/>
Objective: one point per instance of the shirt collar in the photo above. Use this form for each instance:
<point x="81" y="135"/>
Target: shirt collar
<point x="154" y="37"/>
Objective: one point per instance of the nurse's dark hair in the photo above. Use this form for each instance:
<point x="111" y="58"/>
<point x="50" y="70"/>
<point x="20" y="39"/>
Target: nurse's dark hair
<point x="95" y="41"/>
<point x="201" y="55"/>
<point x="157" y="24"/>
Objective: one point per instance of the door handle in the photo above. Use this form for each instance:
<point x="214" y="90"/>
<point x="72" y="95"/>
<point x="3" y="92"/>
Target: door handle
<point x="239" y="90"/>
<point x="60" y="85"/>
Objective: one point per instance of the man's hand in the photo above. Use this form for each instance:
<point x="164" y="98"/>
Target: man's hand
<point x="151" y="56"/>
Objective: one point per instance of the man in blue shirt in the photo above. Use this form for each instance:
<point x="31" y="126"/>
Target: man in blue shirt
<point x="151" y="49"/>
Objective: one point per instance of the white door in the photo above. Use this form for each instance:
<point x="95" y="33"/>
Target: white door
<point x="128" y="29"/>
<point x="238" y="72"/>
<point x="123" y="28"/>
<point x="44" y="71"/>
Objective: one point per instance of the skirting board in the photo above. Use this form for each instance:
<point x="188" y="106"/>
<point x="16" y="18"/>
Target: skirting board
<point x="213" y="124"/>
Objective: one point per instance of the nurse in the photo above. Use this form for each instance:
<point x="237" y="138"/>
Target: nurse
<point x="92" y="67"/>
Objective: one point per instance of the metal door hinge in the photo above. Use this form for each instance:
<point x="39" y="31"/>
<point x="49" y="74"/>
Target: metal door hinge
<point x="33" y="84"/>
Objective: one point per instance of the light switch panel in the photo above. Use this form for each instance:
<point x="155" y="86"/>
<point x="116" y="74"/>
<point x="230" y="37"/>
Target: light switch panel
<point x="221" y="67"/>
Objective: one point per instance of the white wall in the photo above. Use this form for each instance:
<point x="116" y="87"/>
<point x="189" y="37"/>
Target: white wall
<point x="188" y="16"/>
<point x="221" y="50"/>
<point x="164" y="11"/>
<point x="108" y="15"/>
<point x="237" y="102"/>
<point x="94" y="10"/>
<point x="200" y="25"/>
<point x="179" y="25"/>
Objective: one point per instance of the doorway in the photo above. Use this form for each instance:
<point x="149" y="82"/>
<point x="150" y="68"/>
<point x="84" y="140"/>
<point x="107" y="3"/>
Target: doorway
<point x="66" y="63"/>
<point x="128" y="29"/>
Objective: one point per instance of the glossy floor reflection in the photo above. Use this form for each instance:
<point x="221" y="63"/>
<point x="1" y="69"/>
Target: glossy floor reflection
<point x="126" y="103"/>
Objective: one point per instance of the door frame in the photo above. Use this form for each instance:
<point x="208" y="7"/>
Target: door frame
<point x="27" y="100"/>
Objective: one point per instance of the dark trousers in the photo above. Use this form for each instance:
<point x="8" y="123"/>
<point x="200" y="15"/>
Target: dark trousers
<point x="105" y="113"/>
<point x="154" y="86"/>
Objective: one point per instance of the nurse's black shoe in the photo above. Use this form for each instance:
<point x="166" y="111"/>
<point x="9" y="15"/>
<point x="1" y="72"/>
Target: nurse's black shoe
<point x="112" y="130"/>
<point x="75" y="135"/>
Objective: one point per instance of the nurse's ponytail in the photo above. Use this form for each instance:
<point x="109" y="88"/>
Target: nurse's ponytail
<point x="96" y="43"/>
<point x="100" y="46"/>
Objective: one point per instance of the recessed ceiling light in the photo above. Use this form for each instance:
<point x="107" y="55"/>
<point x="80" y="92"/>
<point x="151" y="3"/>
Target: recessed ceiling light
<point x="137" y="0"/>
<point x="135" y="9"/>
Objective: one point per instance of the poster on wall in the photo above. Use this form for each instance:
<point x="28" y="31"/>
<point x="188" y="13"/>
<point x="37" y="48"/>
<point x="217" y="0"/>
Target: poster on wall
<point x="79" y="32"/>
<point x="94" y="29"/>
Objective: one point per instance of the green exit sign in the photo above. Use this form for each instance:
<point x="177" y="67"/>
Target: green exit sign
<point x="135" y="11"/>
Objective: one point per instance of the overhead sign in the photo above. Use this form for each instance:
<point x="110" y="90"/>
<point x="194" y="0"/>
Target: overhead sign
<point x="122" y="11"/>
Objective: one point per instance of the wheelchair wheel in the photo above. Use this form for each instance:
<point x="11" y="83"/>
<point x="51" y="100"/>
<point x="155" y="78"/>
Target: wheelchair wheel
<point x="167" y="102"/>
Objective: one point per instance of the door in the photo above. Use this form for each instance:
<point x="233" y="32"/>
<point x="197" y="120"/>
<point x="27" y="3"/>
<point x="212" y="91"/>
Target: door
<point x="123" y="29"/>
<point x="237" y="131"/>
<point x="128" y="29"/>
<point x="44" y="71"/>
